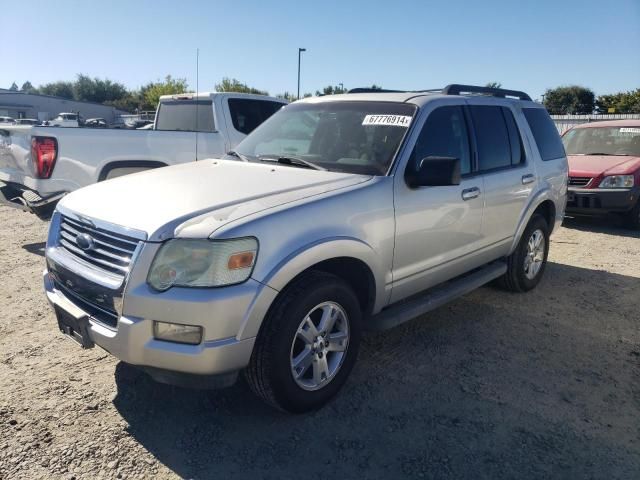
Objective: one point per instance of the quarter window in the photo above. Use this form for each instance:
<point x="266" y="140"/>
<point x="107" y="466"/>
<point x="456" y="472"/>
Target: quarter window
<point x="545" y="133"/>
<point x="444" y="134"/>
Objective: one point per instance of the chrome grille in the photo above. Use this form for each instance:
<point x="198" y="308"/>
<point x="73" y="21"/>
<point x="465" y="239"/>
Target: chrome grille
<point x="579" y="181"/>
<point x="108" y="251"/>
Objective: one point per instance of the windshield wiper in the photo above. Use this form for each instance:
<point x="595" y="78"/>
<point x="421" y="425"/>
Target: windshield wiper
<point x="294" y="161"/>
<point x="600" y="153"/>
<point x="242" y="157"/>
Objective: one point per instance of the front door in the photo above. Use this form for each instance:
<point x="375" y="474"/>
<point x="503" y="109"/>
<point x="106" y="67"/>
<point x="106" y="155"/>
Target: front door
<point x="437" y="228"/>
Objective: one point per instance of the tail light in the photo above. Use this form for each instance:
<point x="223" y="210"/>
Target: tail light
<point x="44" y="153"/>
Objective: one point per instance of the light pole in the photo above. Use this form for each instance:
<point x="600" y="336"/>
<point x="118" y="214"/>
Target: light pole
<point x="300" y="50"/>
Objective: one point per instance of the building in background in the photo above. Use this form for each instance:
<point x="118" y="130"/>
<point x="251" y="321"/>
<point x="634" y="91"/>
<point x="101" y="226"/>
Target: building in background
<point x="45" y="107"/>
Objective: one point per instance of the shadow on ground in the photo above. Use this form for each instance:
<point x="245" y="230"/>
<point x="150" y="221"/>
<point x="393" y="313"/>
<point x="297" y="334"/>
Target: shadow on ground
<point x="494" y="385"/>
<point x="610" y="224"/>
<point x="35" y="248"/>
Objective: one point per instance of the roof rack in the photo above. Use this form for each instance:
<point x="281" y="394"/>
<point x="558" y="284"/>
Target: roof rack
<point x="373" y="90"/>
<point x="457" y="89"/>
<point x="454" y="89"/>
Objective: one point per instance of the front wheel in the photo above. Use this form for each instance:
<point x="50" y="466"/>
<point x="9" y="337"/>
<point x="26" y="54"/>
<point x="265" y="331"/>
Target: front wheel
<point x="307" y="345"/>
<point x="526" y="265"/>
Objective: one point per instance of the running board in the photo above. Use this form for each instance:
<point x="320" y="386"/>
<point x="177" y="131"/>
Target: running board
<point x="435" y="297"/>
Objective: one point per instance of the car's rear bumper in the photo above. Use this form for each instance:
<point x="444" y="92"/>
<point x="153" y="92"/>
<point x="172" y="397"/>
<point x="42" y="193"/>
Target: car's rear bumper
<point x="600" y="201"/>
<point x="26" y="199"/>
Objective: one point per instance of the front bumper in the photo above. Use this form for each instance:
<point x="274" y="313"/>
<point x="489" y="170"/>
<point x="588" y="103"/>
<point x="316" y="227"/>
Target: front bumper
<point x="600" y="201"/>
<point x="212" y="363"/>
<point x="23" y="198"/>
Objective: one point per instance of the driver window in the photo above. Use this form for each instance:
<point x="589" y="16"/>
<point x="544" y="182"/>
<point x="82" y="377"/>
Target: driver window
<point x="444" y="134"/>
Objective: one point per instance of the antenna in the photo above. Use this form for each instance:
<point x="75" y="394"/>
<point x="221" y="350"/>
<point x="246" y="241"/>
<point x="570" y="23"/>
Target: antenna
<point x="197" y="98"/>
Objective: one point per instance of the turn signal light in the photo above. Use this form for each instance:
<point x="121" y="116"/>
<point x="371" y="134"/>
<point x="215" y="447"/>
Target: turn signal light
<point x="240" y="260"/>
<point x="44" y="153"/>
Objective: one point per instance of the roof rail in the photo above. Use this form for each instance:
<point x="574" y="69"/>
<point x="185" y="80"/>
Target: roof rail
<point x="457" y="89"/>
<point x="373" y="90"/>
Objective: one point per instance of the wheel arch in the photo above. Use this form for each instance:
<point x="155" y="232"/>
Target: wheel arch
<point x="543" y="204"/>
<point x="107" y="168"/>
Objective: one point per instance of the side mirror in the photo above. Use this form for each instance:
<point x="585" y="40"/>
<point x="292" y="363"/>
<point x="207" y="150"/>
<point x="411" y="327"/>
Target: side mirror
<point x="435" y="172"/>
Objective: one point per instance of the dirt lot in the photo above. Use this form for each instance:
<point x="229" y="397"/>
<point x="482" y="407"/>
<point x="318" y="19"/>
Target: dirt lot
<point x="494" y="385"/>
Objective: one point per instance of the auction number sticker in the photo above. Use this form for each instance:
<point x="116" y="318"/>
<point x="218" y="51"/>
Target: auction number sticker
<point x="629" y="130"/>
<point x="388" y="120"/>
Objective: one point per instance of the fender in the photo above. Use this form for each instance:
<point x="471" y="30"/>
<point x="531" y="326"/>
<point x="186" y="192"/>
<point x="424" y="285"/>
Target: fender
<point x="304" y="258"/>
<point x="534" y="202"/>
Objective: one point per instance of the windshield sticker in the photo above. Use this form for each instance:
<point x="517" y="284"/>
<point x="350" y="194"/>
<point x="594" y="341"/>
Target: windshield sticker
<point x="629" y="130"/>
<point x="388" y="120"/>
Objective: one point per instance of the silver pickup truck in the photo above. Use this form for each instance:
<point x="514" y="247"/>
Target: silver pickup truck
<point x="337" y="215"/>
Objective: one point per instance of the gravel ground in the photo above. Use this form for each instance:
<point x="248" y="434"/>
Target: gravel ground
<point x="493" y="385"/>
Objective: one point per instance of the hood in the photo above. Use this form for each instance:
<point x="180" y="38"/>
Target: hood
<point x="595" y="165"/>
<point x="159" y="201"/>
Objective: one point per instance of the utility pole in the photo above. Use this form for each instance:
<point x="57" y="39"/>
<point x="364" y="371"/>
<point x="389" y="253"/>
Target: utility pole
<point x="300" y="50"/>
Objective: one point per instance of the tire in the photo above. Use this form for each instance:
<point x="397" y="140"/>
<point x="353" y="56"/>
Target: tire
<point x="632" y="218"/>
<point x="518" y="277"/>
<point x="270" y="373"/>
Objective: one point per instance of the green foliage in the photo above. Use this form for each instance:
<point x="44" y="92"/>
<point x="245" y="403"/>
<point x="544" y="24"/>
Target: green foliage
<point x="151" y="93"/>
<point x="97" y="90"/>
<point x="235" y="85"/>
<point x="494" y="85"/>
<point x="376" y="87"/>
<point x="622" y="102"/>
<point x="331" y="90"/>
<point x="28" y="88"/>
<point x="13" y="87"/>
<point x="58" y="89"/>
<point x="573" y="99"/>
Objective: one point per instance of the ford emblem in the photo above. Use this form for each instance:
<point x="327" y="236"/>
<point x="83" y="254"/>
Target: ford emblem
<point x="85" y="241"/>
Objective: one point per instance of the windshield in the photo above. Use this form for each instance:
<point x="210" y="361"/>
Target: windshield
<point x="353" y="137"/>
<point x="185" y="116"/>
<point x="603" y="141"/>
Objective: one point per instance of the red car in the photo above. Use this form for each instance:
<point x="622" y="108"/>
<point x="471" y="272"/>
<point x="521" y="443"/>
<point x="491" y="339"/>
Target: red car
<point x="604" y="169"/>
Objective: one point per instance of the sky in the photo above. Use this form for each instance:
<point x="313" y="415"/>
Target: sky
<point x="527" y="45"/>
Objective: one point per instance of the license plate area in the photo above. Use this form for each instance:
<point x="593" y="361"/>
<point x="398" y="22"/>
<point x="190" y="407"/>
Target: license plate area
<point x="75" y="328"/>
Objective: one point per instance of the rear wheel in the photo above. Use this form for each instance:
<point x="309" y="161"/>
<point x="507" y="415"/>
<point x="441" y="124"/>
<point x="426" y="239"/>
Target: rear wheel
<point x="307" y="345"/>
<point x="526" y="265"/>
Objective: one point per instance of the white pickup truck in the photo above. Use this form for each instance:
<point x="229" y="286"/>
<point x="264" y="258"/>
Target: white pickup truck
<point x="39" y="165"/>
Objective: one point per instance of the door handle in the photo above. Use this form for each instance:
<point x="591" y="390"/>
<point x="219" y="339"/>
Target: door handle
<point x="469" y="193"/>
<point x="528" y="178"/>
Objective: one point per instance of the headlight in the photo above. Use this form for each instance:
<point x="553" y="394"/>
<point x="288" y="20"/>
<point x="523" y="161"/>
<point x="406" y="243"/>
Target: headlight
<point x="203" y="263"/>
<point x="617" y="181"/>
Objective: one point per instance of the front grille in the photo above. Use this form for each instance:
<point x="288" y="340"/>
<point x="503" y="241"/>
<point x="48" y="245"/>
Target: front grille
<point x="579" y="181"/>
<point x="102" y="314"/>
<point x="108" y="251"/>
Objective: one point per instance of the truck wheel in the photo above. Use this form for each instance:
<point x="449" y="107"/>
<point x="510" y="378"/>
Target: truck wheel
<point x="632" y="218"/>
<point x="525" y="266"/>
<point x="307" y="345"/>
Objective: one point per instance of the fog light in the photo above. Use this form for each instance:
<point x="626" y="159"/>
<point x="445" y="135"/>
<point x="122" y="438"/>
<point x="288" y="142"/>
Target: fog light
<point x="174" y="332"/>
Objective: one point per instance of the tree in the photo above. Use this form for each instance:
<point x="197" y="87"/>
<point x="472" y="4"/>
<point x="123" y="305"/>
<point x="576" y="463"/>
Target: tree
<point x="331" y="90"/>
<point x="97" y="90"/>
<point x="13" y="87"/>
<point x="58" y="89"/>
<point x="234" y="85"/>
<point x="572" y="99"/>
<point x="494" y="85"/>
<point x="28" y="88"/>
<point x="622" y="102"/>
<point x="152" y="92"/>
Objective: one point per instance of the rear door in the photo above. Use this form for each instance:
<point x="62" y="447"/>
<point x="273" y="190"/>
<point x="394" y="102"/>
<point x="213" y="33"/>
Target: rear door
<point x="508" y="172"/>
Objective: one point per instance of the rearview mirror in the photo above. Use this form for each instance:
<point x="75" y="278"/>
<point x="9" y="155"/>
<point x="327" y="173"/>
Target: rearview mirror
<point x="435" y="172"/>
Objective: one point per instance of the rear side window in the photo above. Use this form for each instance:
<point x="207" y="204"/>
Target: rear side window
<point x="444" y="134"/>
<point x="545" y="133"/>
<point x="247" y="114"/>
<point x="186" y="116"/>
<point x="492" y="137"/>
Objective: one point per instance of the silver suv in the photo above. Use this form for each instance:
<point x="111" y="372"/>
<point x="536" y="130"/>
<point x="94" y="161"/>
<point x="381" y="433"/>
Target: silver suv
<point x="337" y="215"/>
